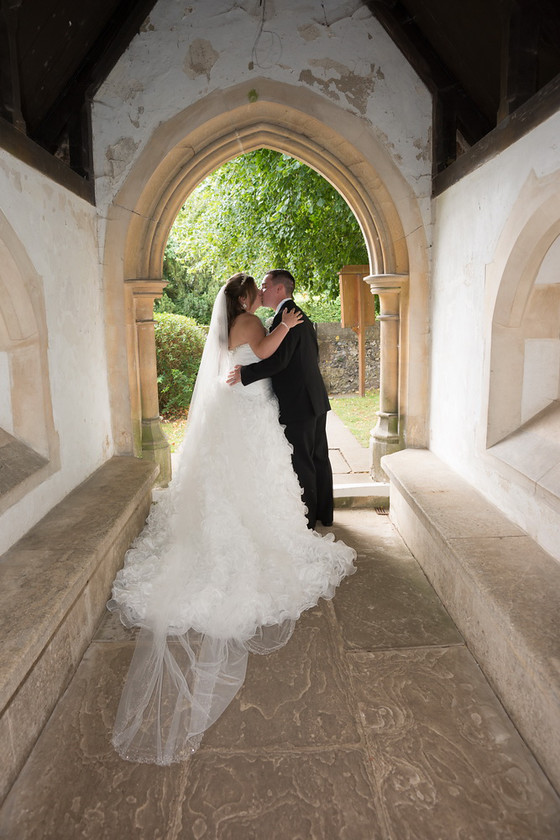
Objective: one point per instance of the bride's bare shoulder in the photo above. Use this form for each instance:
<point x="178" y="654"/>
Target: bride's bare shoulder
<point x="245" y="327"/>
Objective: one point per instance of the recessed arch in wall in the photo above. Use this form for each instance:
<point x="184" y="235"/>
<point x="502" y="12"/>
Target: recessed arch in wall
<point x="295" y="121"/>
<point x="29" y="445"/>
<point x="526" y="312"/>
<point x="523" y="428"/>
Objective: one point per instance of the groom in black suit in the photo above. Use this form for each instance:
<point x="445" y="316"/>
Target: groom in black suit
<point x="302" y="397"/>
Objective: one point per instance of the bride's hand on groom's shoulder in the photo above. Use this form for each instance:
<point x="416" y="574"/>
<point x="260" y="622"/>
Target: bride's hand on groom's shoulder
<point x="291" y="318"/>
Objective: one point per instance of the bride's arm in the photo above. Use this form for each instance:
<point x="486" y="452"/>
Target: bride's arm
<point x="264" y="345"/>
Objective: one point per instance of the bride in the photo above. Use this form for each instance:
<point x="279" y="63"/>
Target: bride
<point x="226" y="563"/>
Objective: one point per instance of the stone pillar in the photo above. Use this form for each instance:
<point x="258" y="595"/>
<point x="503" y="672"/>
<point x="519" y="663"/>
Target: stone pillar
<point x="155" y="445"/>
<point x="385" y="437"/>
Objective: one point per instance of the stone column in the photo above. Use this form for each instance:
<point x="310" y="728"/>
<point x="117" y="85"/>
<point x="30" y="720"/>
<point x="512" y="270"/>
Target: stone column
<point x="155" y="445"/>
<point x="385" y="437"/>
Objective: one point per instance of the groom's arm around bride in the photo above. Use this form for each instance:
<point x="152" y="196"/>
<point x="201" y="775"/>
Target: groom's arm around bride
<point x="302" y="397"/>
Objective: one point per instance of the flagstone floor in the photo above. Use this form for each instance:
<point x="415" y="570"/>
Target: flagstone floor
<point x="373" y="723"/>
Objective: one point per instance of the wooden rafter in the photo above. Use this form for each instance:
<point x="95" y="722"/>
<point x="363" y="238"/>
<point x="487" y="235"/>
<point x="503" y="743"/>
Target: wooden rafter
<point x="453" y="108"/>
<point x="68" y="112"/>
<point x="10" y="94"/>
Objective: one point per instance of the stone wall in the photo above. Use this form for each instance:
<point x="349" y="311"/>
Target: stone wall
<point x="338" y="356"/>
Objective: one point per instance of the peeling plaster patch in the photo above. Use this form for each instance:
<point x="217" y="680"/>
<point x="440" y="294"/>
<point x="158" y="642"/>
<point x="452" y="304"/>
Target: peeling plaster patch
<point x="200" y="59"/>
<point x="309" y="32"/>
<point x="423" y="153"/>
<point x="139" y="112"/>
<point x="356" y="88"/>
<point x="130" y="90"/>
<point x="307" y="77"/>
<point x="119" y="155"/>
<point x="389" y="145"/>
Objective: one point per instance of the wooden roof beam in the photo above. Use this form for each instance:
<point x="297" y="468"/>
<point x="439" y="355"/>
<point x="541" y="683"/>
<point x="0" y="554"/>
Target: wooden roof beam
<point x="10" y="93"/>
<point x="67" y="113"/>
<point x="519" y="59"/>
<point x="453" y="108"/>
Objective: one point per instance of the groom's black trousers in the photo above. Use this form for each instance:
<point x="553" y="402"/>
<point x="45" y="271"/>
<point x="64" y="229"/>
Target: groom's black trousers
<point x="310" y="460"/>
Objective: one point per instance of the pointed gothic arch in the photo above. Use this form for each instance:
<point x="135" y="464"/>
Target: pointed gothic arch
<point x="224" y="125"/>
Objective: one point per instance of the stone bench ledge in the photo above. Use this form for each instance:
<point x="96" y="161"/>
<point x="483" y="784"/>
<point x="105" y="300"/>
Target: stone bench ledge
<point x="53" y="586"/>
<point x="43" y="573"/>
<point x="500" y="587"/>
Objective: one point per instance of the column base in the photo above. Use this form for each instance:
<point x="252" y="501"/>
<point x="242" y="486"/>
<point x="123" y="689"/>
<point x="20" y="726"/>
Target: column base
<point x="155" y="447"/>
<point x="384" y="440"/>
<point x="377" y="449"/>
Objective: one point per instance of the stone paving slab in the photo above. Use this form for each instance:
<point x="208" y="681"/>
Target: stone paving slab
<point x="447" y="759"/>
<point x="74" y="785"/>
<point x="389" y="603"/>
<point x="319" y="795"/>
<point x="293" y="698"/>
<point x="341" y="439"/>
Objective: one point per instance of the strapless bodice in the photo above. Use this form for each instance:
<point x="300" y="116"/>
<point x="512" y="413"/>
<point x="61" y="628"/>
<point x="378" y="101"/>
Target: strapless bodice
<point x="243" y="355"/>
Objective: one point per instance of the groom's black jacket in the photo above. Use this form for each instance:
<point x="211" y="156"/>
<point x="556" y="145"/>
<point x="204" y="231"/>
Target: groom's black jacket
<point x="294" y="372"/>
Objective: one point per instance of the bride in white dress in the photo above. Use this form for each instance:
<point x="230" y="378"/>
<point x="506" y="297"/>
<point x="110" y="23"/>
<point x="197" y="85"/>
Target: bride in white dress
<point x="226" y="563"/>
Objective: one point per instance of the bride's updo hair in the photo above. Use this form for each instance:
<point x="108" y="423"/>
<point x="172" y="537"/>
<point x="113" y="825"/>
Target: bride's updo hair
<point x="238" y="286"/>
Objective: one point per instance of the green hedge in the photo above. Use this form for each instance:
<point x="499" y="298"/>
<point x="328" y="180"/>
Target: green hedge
<point x="179" y="345"/>
<point x="319" y="309"/>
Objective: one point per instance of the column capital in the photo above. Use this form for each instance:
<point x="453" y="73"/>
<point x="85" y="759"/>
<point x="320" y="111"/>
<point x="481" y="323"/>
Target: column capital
<point x="379" y="283"/>
<point x="143" y="287"/>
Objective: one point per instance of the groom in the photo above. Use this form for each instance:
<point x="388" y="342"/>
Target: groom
<point x="302" y="397"/>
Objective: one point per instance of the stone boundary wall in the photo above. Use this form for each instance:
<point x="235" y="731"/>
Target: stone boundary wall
<point x="338" y="357"/>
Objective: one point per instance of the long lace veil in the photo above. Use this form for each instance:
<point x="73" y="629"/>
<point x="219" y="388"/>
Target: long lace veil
<point x="214" y="365"/>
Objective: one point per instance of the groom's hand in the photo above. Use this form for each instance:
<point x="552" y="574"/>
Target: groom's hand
<point x="234" y="376"/>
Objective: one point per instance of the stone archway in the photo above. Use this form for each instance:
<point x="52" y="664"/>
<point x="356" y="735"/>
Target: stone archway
<point x="183" y="151"/>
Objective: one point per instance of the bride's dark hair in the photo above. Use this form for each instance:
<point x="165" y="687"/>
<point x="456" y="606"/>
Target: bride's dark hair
<point x="236" y="287"/>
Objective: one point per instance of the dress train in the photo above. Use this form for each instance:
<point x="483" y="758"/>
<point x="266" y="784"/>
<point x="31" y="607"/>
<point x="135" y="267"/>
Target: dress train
<point x="224" y="566"/>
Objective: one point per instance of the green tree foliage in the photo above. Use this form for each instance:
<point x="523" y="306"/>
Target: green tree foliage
<point x="179" y="346"/>
<point x="262" y="210"/>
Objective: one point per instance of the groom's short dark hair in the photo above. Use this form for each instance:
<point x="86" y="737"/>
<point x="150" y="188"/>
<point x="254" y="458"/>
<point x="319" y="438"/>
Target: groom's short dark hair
<point x="281" y="275"/>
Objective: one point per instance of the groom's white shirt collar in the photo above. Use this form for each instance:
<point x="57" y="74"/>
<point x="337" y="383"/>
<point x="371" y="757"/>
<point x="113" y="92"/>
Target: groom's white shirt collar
<point x="280" y="305"/>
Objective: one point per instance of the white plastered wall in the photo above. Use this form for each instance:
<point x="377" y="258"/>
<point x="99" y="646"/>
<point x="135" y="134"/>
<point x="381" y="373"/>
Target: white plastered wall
<point x="184" y="53"/>
<point x="198" y="77"/>
<point x="53" y="239"/>
<point x="497" y="223"/>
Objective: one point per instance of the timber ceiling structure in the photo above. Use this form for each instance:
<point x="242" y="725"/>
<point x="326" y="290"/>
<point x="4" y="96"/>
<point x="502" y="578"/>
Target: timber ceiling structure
<point x="483" y="60"/>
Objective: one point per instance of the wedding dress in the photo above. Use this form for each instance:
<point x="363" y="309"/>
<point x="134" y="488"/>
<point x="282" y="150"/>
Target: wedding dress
<point x="224" y="566"/>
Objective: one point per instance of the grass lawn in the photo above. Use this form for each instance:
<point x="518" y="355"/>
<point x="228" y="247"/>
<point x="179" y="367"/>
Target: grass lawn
<point x="174" y="431"/>
<point x="357" y="413"/>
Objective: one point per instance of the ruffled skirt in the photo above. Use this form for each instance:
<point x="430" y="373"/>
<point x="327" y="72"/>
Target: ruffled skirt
<point x="225" y="566"/>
